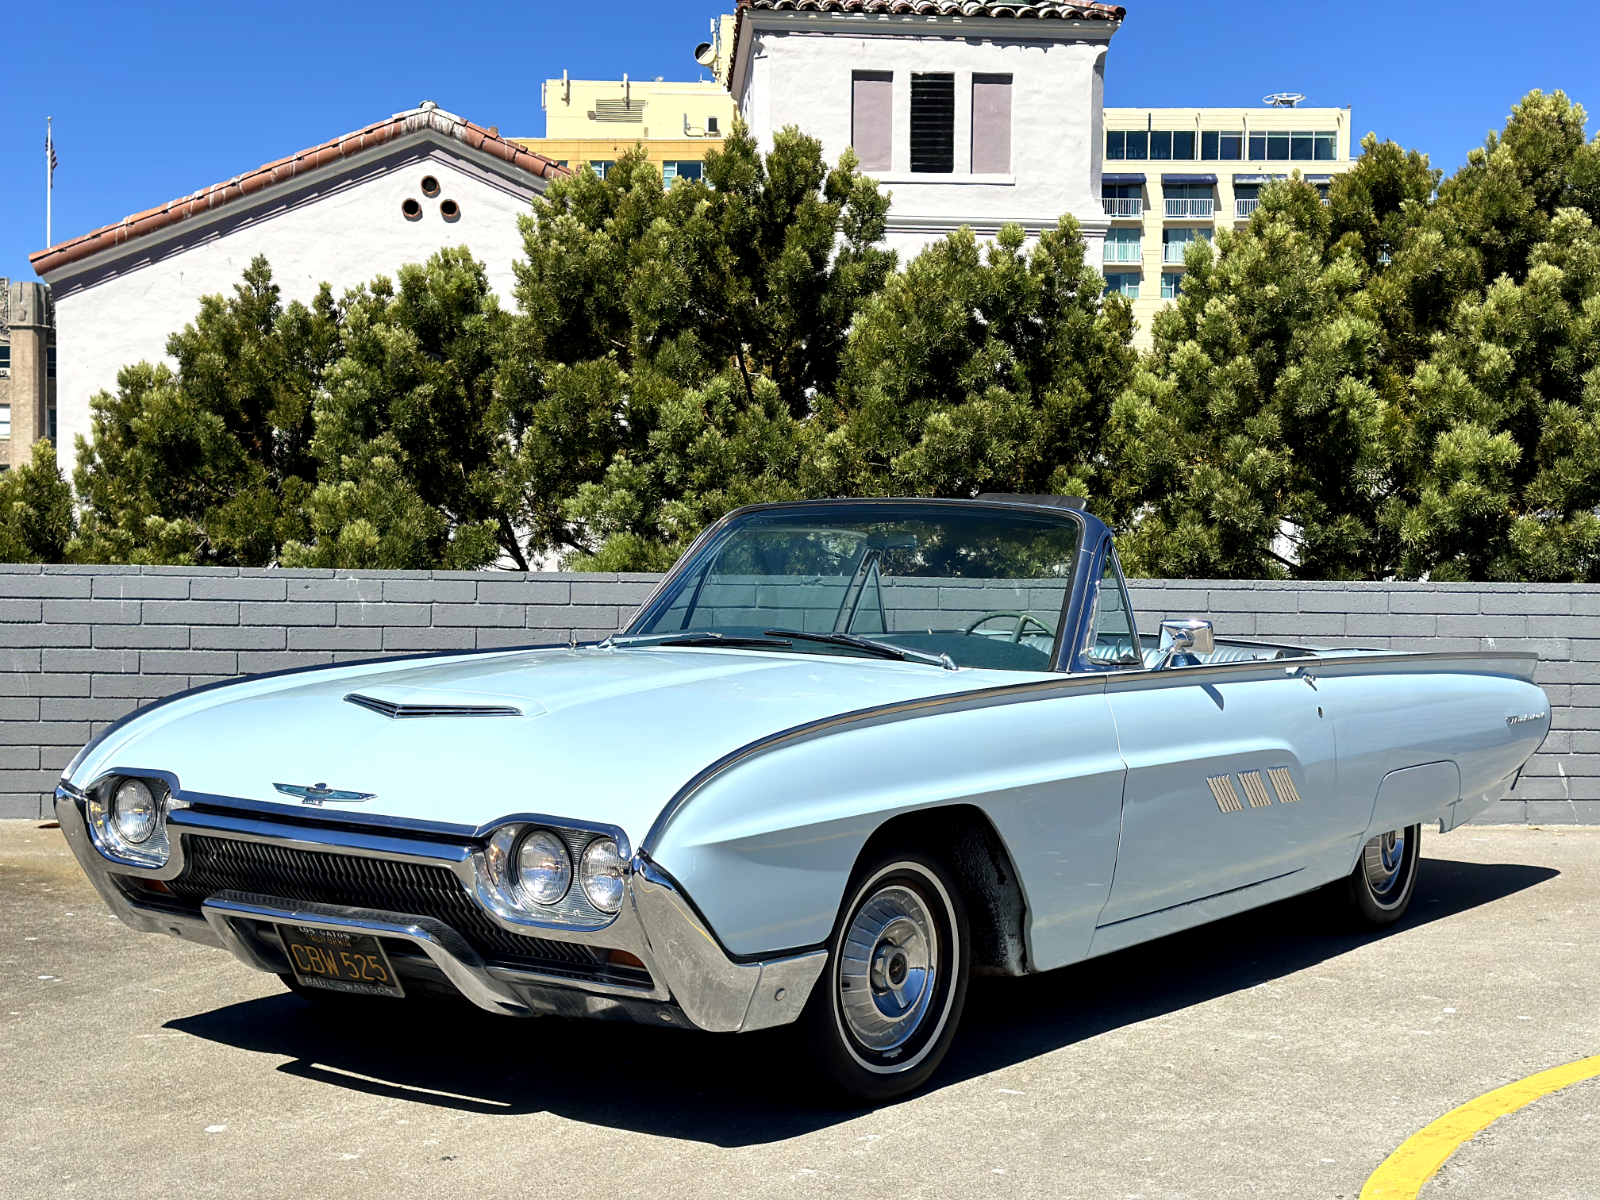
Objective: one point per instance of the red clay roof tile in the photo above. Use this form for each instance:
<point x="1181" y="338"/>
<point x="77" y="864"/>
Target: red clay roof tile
<point x="285" y="170"/>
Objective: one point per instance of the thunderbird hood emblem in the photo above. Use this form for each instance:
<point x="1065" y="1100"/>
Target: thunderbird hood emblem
<point x="321" y="793"/>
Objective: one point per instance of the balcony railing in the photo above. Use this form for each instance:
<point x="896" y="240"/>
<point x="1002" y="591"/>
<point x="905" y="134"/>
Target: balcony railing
<point x="1172" y="252"/>
<point x="1123" y="206"/>
<point x="1124" y="252"/>
<point x="1190" y="209"/>
<point x="1243" y="208"/>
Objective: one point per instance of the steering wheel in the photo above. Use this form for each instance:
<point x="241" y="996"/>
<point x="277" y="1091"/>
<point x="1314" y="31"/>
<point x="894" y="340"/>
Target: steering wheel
<point x="1023" y="621"/>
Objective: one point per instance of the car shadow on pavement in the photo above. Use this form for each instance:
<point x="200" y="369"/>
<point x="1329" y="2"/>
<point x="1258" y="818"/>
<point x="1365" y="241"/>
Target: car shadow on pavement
<point x="740" y="1090"/>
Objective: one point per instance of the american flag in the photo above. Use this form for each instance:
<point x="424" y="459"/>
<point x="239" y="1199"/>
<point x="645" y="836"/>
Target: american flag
<point x="50" y="153"/>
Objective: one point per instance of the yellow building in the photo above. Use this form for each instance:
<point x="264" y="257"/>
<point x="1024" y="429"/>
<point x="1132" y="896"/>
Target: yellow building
<point x="594" y="122"/>
<point x="1172" y="175"/>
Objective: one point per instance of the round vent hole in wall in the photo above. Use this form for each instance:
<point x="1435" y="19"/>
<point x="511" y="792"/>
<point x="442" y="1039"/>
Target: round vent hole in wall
<point x="411" y="210"/>
<point x="450" y="210"/>
<point x="430" y="186"/>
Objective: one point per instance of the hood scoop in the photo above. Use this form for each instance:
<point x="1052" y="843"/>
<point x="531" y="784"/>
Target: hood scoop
<point x="397" y="711"/>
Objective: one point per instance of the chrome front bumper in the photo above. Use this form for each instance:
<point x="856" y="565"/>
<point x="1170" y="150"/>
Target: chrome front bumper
<point x="693" y="982"/>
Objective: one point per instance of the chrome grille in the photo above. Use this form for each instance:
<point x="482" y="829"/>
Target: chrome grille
<point x="216" y="864"/>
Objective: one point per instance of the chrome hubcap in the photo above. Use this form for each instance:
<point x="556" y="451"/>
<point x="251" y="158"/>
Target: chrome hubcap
<point x="889" y="968"/>
<point x="1384" y="858"/>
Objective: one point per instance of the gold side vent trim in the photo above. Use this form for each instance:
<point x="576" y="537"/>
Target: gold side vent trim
<point x="1255" y="789"/>
<point x="1283" y="784"/>
<point x="1227" y="795"/>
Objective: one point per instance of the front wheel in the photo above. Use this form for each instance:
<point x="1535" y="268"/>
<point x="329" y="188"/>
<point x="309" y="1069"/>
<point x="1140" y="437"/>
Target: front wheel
<point x="885" y="1012"/>
<point x="1380" y="888"/>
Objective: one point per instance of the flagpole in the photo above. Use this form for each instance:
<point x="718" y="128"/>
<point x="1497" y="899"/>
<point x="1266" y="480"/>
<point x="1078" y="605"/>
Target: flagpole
<point x="49" y="180"/>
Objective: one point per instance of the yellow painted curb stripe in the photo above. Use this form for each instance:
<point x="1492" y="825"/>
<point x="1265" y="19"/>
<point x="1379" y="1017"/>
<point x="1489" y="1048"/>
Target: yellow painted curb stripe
<point x="1402" y="1174"/>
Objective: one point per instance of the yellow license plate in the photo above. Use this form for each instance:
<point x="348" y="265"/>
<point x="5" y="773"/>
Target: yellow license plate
<point x="339" y="961"/>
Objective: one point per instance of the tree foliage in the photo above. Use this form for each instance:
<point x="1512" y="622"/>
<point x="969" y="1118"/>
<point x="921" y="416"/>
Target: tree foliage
<point x="210" y="463"/>
<point x="980" y="368"/>
<point x="1400" y="384"/>
<point x="671" y="341"/>
<point x="37" y="522"/>
<point x="1401" y="379"/>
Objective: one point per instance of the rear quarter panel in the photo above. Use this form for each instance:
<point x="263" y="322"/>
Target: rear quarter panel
<point x="1407" y="716"/>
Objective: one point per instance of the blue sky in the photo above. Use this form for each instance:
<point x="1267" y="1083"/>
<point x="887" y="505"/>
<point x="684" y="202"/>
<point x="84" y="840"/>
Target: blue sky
<point x="154" y="101"/>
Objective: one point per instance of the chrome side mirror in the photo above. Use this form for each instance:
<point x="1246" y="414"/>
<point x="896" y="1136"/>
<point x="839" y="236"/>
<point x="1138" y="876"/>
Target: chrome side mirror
<point x="1185" y="640"/>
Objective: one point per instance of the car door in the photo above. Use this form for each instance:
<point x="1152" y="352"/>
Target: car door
<point x="1231" y="782"/>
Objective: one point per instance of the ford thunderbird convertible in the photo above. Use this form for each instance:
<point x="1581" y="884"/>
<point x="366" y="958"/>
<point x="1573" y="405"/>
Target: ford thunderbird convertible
<point x="847" y="754"/>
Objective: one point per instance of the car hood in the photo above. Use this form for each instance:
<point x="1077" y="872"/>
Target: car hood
<point x="604" y="735"/>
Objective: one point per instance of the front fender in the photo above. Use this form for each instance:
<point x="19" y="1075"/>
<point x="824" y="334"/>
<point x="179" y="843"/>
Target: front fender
<point x="766" y="846"/>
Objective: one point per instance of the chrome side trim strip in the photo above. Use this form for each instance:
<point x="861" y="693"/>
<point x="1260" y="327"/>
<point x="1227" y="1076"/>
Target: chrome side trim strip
<point x="1044" y="689"/>
<point x="1189" y="903"/>
<point x="1037" y="689"/>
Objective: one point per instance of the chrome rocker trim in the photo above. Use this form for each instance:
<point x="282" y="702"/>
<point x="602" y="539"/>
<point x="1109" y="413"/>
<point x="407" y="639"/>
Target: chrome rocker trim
<point x="692" y="974"/>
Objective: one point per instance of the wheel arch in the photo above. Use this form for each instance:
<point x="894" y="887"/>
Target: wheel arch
<point x="964" y="838"/>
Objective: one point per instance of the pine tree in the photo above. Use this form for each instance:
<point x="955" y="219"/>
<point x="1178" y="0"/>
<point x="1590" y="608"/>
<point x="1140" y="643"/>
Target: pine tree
<point x="671" y="342"/>
<point x="210" y="464"/>
<point x="37" y="523"/>
<point x="980" y="368"/>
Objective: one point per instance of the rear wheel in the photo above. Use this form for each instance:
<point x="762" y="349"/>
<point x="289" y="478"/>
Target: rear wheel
<point x="886" y="1009"/>
<point x="1380" y="888"/>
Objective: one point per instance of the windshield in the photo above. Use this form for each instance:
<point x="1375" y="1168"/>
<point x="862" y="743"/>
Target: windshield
<point x="984" y="586"/>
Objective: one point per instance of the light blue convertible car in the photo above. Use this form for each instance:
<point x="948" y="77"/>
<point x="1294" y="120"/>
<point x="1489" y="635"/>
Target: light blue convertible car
<point x="847" y="754"/>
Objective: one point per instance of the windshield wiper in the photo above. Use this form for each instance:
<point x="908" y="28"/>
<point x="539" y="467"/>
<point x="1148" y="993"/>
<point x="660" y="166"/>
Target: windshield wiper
<point x="717" y="639"/>
<point x="881" y="649"/>
<point x="697" y="639"/>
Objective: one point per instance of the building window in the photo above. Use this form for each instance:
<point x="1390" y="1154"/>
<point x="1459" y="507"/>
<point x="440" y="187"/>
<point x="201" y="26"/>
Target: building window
<point x="1219" y="144"/>
<point x="1122" y="200"/>
<point x="5" y="358"/>
<point x="933" y="123"/>
<point x="1188" y="201"/>
<point x="51" y="413"/>
<point x="5" y="420"/>
<point x="1285" y="146"/>
<point x="1175" y="241"/>
<point x="872" y="119"/>
<point x="1159" y="144"/>
<point x="50" y="363"/>
<point x="674" y="170"/>
<point x="991" y="124"/>
<point x="1171" y="285"/>
<point x="1123" y="246"/>
<point x="1246" y="198"/>
<point x="602" y="167"/>
<point x="1122" y="283"/>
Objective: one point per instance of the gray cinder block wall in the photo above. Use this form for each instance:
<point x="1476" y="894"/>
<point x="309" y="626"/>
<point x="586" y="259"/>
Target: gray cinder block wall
<point x="81" y="646"/>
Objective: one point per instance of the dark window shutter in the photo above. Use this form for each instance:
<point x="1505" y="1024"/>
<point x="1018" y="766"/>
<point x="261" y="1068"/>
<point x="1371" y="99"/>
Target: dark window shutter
<point x="933" y="123"/>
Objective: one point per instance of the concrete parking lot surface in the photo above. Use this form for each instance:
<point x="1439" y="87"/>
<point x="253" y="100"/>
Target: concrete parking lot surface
<point x="1268" y="1056"/>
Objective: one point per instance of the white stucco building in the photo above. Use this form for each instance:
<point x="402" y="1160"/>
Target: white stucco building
<point x="342" y="212"/>
<point x="970" y="113"/>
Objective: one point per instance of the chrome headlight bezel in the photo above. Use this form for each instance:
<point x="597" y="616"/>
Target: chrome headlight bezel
<point x="501" y="890"/>
<point x="151" y="852"/>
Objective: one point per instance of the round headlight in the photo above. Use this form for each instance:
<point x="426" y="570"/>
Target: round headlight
<point x="133" y="810"/>
<point x="544" y="868"/>
<point x="601" y="872"/>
